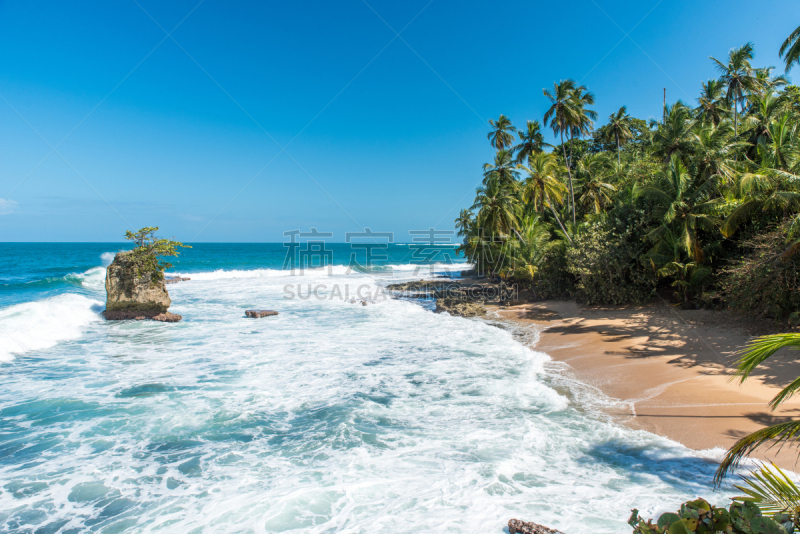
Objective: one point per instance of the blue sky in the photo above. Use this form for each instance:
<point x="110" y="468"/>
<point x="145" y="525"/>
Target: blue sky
<point x="255" y="118"/>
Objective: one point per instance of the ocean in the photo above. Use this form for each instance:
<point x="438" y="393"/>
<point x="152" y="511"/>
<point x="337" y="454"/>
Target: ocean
<point x="333" y="416"/>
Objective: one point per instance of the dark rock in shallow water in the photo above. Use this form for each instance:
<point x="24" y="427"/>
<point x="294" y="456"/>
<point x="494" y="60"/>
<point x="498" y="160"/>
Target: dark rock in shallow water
<point x="422" y="285"/>
<point x="255" y="314"/>
<point x="139" y="315"/>
<point x="515" y="526"/>
<point x="457" y="306"/>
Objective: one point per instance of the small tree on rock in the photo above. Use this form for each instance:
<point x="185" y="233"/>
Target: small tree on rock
<point x="148" y="249"/>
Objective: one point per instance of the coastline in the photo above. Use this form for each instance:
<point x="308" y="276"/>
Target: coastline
<point x="670" y="370"/>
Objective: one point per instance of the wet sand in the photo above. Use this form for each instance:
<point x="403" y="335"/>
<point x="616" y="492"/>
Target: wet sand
<point x="670" y="369"/>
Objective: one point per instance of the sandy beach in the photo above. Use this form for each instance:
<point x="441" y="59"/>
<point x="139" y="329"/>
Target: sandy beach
<point x="669" y="368"/>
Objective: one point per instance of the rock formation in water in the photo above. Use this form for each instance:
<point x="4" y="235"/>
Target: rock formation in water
<point x="515" y="526"/>
<point x="257" y="314"/>
<point x="459" y="306"/>
<point x="135" y="295"/>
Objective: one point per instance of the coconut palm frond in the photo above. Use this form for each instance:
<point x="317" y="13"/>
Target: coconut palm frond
<point x="770" y="489"/>
<point x="760" y="349"/>
<point x="779" y="434"/>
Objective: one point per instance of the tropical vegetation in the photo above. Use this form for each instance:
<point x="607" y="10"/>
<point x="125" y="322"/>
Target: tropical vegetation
<point x="149" y="249"/>
<point x="701" y="206"/>
<point x="700" y="517"/>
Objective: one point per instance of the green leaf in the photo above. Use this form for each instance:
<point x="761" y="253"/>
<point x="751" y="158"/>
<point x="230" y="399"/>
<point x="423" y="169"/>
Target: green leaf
<point x="667" y="519"/>
<point x="770" y="489"/>
<point x="680" y="527"/>
<point x="721" y="519"/>
<point x="765" y="525"/>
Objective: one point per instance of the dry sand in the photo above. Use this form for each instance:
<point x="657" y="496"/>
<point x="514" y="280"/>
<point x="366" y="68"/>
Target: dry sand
<point x="670" y="368"/>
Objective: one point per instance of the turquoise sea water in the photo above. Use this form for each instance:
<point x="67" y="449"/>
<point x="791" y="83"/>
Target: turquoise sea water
<point x="330" y="417"/>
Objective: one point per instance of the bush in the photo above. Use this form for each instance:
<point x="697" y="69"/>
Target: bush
<point x="553" y="281"/>
<point x="147" y="251"/>
<point x="605" y="260"/>
<point x="700" y="517"/>
<point x="766" y="281"/>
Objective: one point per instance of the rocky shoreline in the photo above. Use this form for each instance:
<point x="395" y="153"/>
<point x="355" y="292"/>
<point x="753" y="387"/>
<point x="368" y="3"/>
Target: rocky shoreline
<point x="465" y="297"/>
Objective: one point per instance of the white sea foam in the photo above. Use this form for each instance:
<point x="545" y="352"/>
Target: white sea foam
<point x="404" y="271"/>
<point x="93" y="279"/>
<point x="42" y="324"/>
<point x="330" y="417"/>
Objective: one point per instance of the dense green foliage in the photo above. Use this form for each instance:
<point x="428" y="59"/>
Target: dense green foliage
<point x="766" y="280"/>
<point x="690" y="206"/>
<point x="605" y="259"/>
<point x="700" y="517"/>
<point x="148" y="251"/>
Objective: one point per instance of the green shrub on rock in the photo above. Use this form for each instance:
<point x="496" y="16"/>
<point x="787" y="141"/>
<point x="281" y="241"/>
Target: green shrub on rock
<point x="700" y="517"/>
<point x="148" y="250"/>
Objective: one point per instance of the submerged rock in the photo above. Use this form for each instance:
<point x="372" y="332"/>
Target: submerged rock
<point x="457" y="306"/>
<point x="132" y="295"/>
<point x="515" y="526"/>
<point x="256" y="314"/>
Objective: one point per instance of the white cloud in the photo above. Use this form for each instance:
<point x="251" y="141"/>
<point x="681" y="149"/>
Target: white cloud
<point x="7" y="206"/>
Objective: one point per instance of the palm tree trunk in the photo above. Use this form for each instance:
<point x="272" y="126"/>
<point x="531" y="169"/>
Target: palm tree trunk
<point x="520" y="237"/>
<point x="559" y="220"/>
<point x="569" y="172"/>
<point x="569" y="163"/>
<point x="561" y="225"/>
<point x="541" y="198"/>
<point x="616" y="134"/>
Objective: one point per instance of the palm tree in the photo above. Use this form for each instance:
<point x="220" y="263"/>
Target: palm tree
<point x="756" y="352"/>
<point x="683" y="200"/>
<point x="582" y="118"/>
<point x="619" y="124"/>
<point x="712" y="102"/>
<point x="498" y="209"/>
<point x="763" y="190"/>
<point x="669" y="260"/>
<point x="675" y="135"/>
<point x="501" y="137"/>
<point x="738" y="76"/>
<point x="780" y="149"/>
<point x="532" y="141"/>
<point x="464" y="222"/>
<point x="791" y="49"/>
<point x="764" y="111"/>
<point x="713" y="149"/>
<point x="543" y="180"/>
<point x="765" y="82"/>
<point x="590" y="173"/>
<point x="528" y="254"/>
<point x="503" y="170"/>
<point x="562" y="116"/>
